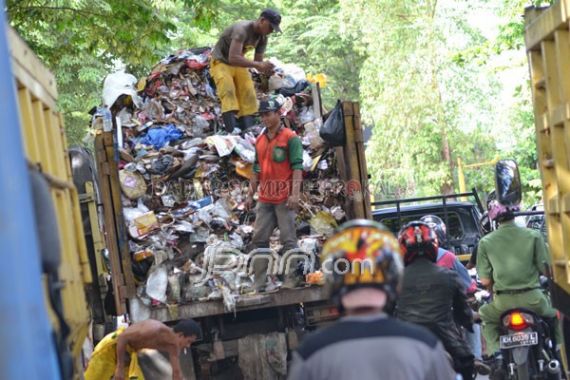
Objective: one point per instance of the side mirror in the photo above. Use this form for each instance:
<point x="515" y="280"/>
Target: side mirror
<point x="508" y="183"/>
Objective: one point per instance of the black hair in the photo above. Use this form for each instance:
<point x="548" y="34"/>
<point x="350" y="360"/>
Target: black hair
<point x="188" y="327"/>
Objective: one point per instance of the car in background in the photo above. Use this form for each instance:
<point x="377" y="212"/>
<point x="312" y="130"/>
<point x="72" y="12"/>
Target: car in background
<point x="461" y="218"/>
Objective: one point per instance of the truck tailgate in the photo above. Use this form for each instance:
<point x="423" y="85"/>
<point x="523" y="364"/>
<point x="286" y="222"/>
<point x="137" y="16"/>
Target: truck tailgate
<point x="210" y="308"/>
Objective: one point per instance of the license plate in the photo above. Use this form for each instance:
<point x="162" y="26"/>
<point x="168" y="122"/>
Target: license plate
<point x="519" y="339"/>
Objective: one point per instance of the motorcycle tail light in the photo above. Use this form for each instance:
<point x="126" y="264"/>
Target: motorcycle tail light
<point x="517" y="321"/>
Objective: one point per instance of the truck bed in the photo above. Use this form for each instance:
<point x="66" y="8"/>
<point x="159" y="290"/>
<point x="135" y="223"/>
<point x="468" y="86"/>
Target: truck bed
<point x="210" y="308"/>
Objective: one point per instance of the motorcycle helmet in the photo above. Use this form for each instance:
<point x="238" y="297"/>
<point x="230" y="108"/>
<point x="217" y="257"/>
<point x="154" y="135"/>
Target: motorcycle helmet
<point x="417" y="239"/>
<point x="362" y="254"/>
<point x="438" y="225"/>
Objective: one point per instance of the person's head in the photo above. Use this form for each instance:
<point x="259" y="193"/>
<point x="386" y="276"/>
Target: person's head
<point x="438" y="225"/>
<point x="269" y="112"/>
<point x="362" y="265"/>
<point x="500" y="213"/>
<point x="187" y="332"/>
<point x="268" y="22"/>
<point x="418" y="240"/>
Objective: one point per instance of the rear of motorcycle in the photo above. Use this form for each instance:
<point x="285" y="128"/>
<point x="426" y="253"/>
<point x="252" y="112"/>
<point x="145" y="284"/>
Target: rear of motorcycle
<point x="527" y="347"/>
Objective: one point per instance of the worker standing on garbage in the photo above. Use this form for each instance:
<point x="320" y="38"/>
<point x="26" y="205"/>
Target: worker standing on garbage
<point x="229" y="66"/>
<point x="116" y="349"/>
<point x="278" y="170"/>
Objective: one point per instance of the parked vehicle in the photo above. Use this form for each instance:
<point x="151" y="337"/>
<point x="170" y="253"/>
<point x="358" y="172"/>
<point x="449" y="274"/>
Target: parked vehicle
<point x="546" y="40"/>
<point x="461" y="218"/>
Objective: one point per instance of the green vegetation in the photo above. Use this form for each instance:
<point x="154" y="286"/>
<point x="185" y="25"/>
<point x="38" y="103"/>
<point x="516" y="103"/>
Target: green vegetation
<point x="437" y="80"/>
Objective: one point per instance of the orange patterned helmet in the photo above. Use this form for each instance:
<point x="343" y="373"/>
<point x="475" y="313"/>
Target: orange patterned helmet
<point x="362" y="253"/>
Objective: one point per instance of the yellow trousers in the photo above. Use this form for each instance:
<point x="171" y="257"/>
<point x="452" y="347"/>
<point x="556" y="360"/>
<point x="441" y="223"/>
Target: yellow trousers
<point x="104" y="360"/>
<point x="234" y="87"/>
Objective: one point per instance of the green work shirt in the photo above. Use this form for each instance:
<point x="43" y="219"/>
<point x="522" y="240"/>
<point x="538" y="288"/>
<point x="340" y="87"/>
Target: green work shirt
<point x="513" y="257"/>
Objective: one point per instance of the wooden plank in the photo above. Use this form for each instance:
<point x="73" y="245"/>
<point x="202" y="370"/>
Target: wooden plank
<point x="210" y="308"/>
<point x="353" y="185"/>
<point x="363" y="168"/>
<point x="120" y="227"/>
<point x="109" y="220"/>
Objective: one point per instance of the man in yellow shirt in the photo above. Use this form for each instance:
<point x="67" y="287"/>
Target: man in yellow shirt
<point x="113" y="352"/>
<point x="229" y="67"/>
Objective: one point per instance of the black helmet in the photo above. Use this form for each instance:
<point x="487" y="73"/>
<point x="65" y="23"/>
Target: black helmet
<point x="438" y="225"/>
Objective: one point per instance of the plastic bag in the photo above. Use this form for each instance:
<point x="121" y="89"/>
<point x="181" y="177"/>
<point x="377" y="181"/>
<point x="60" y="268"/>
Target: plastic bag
<point x="333" y="129"/>
<point x="245" y="150"/>
<point x="307" y="161"/>
<point x="132" y="184"/>
<point x="323" y="223"/>
<point x="161" y="136"/>
<point x="157" y="283"/>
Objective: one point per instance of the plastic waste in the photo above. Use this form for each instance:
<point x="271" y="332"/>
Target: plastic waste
<point x="131" y="213"/>
<point x="168" y="200"/>
<point x="245" y="150"/>
<point x="132" y="184"/>
<point x="323" y="223"/>
<point x="201" y="203"/>
<point x="307" y="161"/>
<point x="224" y="144"/>
<point x="143" y="225"/>
<point x="139" y="311"/>
<point x="157" y="283"/>
<point x="174" y="288"/>
<point x="161" y="136"/>
<point x="333" y="129"/>
<point x="107" y="119"/>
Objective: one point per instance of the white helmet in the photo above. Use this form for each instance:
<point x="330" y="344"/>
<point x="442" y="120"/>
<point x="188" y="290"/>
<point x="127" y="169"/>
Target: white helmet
<point x="117" y="84"/>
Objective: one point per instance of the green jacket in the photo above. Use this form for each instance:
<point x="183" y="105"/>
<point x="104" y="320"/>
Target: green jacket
<point x="513" y="257"/>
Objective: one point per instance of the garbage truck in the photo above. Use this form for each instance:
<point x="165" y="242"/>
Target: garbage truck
<point x="547" y="42"/>
<point x="45" y="269"/>
<point x="171" y="187"/>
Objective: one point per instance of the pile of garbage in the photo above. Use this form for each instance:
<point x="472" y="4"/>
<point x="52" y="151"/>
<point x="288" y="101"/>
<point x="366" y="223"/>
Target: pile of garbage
<point x="184" y="181"/>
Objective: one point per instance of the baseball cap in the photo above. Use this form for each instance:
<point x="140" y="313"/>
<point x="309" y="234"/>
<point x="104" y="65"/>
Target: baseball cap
<point x="273" y="17"/>
<point x="269" y="105"/>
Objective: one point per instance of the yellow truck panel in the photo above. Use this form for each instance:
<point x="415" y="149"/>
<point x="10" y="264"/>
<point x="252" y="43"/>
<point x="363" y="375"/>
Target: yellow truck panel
<point x="46" y="149"/>
<point x="547" y="39"/>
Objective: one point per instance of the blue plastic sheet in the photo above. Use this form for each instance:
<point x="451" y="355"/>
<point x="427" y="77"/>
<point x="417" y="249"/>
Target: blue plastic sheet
<point x="159" y="137"/>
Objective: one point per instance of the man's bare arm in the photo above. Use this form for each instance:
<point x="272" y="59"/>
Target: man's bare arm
<point x="236" y="58"/>
<point x="174" y="353"/>
<point x="122" y="342"/>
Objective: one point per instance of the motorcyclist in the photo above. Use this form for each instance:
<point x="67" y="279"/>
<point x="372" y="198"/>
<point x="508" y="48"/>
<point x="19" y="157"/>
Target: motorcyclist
<point x="448" y="260"/>
<point x="363" y="269"/>
<point x="433" y="296"/>
<point x="510" y="261"/>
